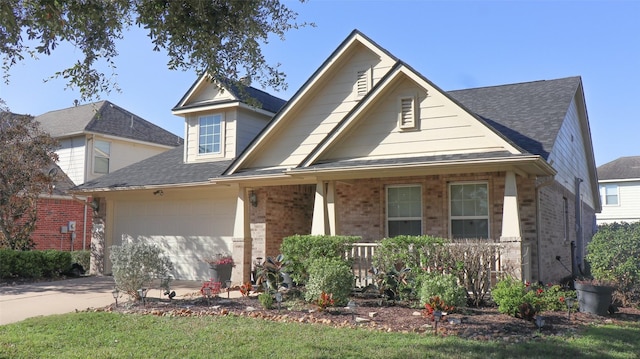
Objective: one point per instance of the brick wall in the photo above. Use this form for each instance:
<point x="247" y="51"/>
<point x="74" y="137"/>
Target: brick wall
<point x="53" y="213"/>
<point x="282" y="211"/>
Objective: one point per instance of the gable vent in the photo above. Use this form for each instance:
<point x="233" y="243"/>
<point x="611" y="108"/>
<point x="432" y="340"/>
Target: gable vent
<point x="407" y="120"/>
<point x="362" y="83"/>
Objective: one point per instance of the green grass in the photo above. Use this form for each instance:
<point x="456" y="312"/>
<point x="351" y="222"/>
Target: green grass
<point x="113" y="335"/>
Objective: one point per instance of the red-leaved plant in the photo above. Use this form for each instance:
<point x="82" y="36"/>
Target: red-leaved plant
<point x="436" y="303"/>
<point x="325" y="300"/>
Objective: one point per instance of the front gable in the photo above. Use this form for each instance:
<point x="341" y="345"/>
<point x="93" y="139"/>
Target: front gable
<point x="407" y="116"/>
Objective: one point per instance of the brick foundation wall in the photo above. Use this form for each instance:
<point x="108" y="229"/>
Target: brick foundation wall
<point x="53" y="213"/>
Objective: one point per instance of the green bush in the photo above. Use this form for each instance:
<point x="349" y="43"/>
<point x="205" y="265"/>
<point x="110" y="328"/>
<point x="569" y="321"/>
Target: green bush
<point x="33" y="264"/>
<point x="415" y="252"/>
<point x="136" y="264"/>
<point x="524" y="300"/>
<point x="266" y="300"/>
<point x="83" y="258"/>
<point x="300" y="250"/>
<point x="444" y="286"/>
<point x="331" y="276"/>
<point x="614" y="255"/>
<point x="509" y="294"/>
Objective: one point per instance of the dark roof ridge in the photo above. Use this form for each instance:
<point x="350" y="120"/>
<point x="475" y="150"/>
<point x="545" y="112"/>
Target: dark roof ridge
<point x="514" y="84"/>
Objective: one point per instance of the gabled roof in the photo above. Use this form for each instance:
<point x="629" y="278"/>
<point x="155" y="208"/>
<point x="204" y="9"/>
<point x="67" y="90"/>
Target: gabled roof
<point x="530" y="114"/>
<point x="105" y="118"/>
<point x="621" y="168"/>
<point x="246" y="95"/>
<point x="166" y="168"/>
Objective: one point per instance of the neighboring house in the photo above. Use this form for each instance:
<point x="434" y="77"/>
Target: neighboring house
<point x="620" y="190"/>
<point x="366" y="147"/>
<point x="99" y="138"/>
<point x="95" y="139"/>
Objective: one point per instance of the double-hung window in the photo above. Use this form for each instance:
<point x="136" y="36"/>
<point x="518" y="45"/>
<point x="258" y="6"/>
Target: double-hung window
<point x="609" y="194"/>
<point x="404" y="210"/>
<point x="101" y="155"/>
<point x="469" y="210"/>
<point x="210" y="134"/>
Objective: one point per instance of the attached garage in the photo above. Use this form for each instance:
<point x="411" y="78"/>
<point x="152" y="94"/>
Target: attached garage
<point x="188" y="225"/>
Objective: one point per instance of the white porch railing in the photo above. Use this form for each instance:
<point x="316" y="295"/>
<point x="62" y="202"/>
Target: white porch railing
<point x="362" y="256"/>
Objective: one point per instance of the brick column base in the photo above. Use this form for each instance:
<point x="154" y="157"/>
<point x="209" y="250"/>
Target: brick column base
<point x="512" y="261"/>
<point x="242" y="257"/>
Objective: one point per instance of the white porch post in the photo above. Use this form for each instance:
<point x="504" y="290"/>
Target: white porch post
<point x="511" y="238"/>
<point x="242" y="239"/>
<point x="319" y="224"/>
<point x="331" y="207"/>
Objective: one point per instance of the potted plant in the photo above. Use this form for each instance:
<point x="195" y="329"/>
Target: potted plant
<point x="221" y="264"/>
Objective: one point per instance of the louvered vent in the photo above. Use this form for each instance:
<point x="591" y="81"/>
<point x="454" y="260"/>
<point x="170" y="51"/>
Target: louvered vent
<point x="362" y="85"/>
<point x="407" y="113"/>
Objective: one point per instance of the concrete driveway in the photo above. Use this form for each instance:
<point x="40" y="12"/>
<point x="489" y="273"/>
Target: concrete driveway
<point x="45" y="298"/>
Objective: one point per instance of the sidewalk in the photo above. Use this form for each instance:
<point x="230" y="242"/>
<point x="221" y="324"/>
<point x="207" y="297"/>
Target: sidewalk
<point x="45" y="298"/>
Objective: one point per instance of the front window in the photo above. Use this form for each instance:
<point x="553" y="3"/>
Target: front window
<point x="469" y="210"/>
<point x="404" y="210"/>
<point x="610" y="194"/>
<point x="101" y="154"/>
<point x="209" y="140"/>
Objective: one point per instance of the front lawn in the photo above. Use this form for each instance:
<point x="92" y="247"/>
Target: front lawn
<point x="115" y="335"/>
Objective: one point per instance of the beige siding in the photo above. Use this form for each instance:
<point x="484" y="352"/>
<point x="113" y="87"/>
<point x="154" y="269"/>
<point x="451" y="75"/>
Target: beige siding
<point x="628" y="207"/>
<point x="71" y="155"/>
<point x="249" y="124"/>
<point x="228" y="129"/>
<point x="319" y="111"/>
<point x="443" y="128"/>
<point x="568" y="156"/>
<point x="123" y="153"/>
<point x="187" y="226"/>
<point x="206" y="93"/>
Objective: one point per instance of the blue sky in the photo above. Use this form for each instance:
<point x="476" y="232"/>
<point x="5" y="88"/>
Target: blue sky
<point x="455" y="44"/>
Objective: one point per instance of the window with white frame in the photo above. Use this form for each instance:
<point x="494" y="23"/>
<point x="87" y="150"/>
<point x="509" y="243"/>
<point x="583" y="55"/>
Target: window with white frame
<point x="609" y="194"/>
<point x="404" y="210"/>
<point x="469" y="210"/>
<point x="101" y="155"/>
<point x="408" y="113"/>
<point x="210" y="134"/>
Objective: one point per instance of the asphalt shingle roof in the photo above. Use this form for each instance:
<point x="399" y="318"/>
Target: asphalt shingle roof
<point x="105" y="118"/>
<point x="527" y="114"/>
<point x="621" y="168"/>
<point x="162" y="169"/>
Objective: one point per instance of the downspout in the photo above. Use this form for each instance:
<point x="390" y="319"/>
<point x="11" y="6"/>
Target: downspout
<point x="84" y="227"/>
<point x="579" y="240"/>
<point x="544" y="182"/>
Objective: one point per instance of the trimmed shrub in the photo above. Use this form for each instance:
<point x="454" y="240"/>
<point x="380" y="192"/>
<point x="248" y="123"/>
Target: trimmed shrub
<point x="331" y="276"/>
<point x="33" y="264"/>
<point x="300" y="250"/>
<point x="523" y="300"/>
<point x="83" y="258"/>
<point x="443" y="286"/>
<point x="55" y="262"/>
<point x="136" y="264"/>
<point x="415" y="252"/>
<point x="614" y="255"/>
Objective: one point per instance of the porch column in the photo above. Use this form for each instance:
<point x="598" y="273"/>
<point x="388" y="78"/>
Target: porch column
<point x="514" y="260"/>
<point x="320" y="222"/>
<point x="331" y="207"/>
<point x="242" y="239"/>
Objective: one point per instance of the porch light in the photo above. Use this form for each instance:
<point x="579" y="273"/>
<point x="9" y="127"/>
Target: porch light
<point x="437" y="316"/>
<point x="207" y="293"/>
<point x="115" y="294"/>
<point x="278" y="299"/>
<point x="253" y="198"/>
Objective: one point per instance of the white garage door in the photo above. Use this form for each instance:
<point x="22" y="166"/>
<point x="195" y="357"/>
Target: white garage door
<point x="188" y="230"/>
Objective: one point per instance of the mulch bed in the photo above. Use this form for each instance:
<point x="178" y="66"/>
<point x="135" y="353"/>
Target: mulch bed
<point x="484" y="323"/>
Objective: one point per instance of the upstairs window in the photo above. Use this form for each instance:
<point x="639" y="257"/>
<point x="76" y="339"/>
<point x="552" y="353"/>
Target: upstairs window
<point x="609" y="194"/>
<point x="408" y="113"/>
<point x="469" y="210"/>
<point x="210" y="134"/>
<point x="101" y="155"/>
<point x="404" y="210"/>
